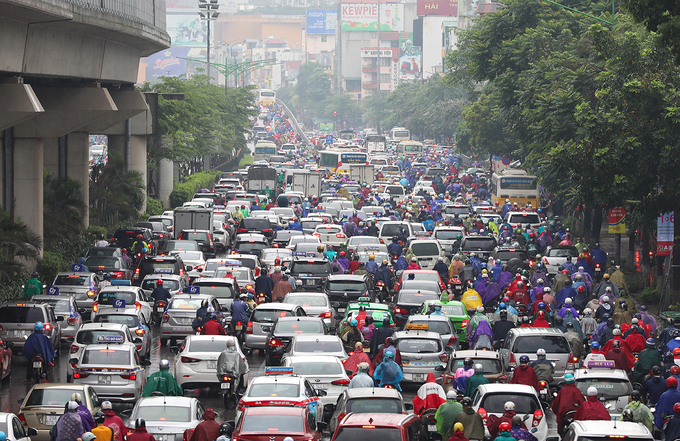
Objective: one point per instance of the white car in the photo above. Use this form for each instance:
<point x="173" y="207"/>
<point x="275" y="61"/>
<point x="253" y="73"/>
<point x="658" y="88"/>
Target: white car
<point x="330" y="234"/>
<point x="167" y="417"/>
<point x="607" y="431"/>
<point x="192" y="259"/>
<point x="133" y="319"/>
<point x="324" y="372"/>
<point x="268" y="255"/>
<point x="613" y="386"/>
<point x="195" y="364"/>
<point x="14" y="430"/>
<point x="427" y="251"/>
<point x="172" y="282"/>
<point x="490" y="399"/>
<point x="316" y="345"/>
<point x="99" y="333"/>
<point x="118" y="296"/>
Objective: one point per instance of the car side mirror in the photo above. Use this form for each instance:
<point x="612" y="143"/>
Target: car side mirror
<point x="330" y="407"/>
<point x="408" y="406"/>
<point x="9" y="345"/>
<point x="321" y="393"/>
<point x="174" y="349"/>
<point x="21" y="400"/>
<point x="73" y="361"/>
<point x="190" y="268"/>
<point x="216" y="240"/>
<point x="31" y="431"/>
<point x="247" y="351"/>
<point x="82" y="310"/>
<point x="439" y="368"/>
<point x="321" y="425"/>
<point x="138" y="340"/>
<point x="60" y="318"/>
<point x="349" y="373"/>
<point x="146" y="362"/>
<point x="126" y="413"/>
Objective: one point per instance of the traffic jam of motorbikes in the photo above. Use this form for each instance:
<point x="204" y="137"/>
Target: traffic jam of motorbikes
<point x="412" y="297"/>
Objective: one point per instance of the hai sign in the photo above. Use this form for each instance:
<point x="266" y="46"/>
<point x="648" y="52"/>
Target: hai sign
<point x="438" y="7"/>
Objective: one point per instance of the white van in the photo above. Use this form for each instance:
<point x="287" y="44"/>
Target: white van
<point x="523" y="217"/>
<point x="427" y="251"/>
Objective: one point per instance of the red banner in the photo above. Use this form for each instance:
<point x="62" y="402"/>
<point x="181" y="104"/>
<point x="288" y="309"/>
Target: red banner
<point x="437" y="7"/>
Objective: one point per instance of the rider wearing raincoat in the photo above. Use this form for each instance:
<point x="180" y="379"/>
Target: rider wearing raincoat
<point x="231" y="363"/>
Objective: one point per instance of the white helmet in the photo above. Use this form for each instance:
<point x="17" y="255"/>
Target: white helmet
<point x="605" y="299"/>
<point x="592" y="391"/>
<point x="568" y="301"/>
<point x="210" y="310"/>
<point x="541" y="352"/>
<point x="509" y="405"/>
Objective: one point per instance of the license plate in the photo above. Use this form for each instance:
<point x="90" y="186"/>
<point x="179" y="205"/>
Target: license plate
<point x="418" y="377"/>
<point x="51" y="420"/>
<point x="19" y="333"/>
<point x="104" y="379"/>
<point x="342" y="309"/>
<point x="310" y="282"/>
<point x="212" y="364"/>
<point x="37" y="364"/>
<point x="238" y="327"/>
<point x="544" y="392"/>
<point x="431" y="428"/>
<point x="186" y="321"/>
<point x="225" y="385"/>
<point x="321" y="386"/>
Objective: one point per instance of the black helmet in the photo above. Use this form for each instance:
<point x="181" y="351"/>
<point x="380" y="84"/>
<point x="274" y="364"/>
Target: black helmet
<point x="226" y="429"/>
<point x="466" y="401"/>
<point x="139" y="422"/>
<point x="524" y="359"/>
<point x="35" y="275"/>
<point x="656" y="370"/>
<point x="559" y="320"/>
<point x="468" y="362"/>
<point x="610" y="322"/>
<point x="635" y="395"/>
<point x="99" y="417"/>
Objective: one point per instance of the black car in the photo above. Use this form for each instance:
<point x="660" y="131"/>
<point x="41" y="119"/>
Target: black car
<point x="312" y="272"/>
<point x="125" y="237"/>
<point x="160" y="232"/>
<point x="482" y="246"/>
<point x="204" y="239"/>
<point x="345" y="288"/>
<point x="158" y="265"/>
<point x="515" y="258"/>
<point x="407" y="302"/>
<point x="283" y="332"/>
<point x="113" y="265"/>
<point x="259" y="225"/>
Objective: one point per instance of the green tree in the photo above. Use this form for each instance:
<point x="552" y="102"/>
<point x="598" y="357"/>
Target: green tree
<point x="116" y="195"/>
<point x="63" y="209"/>
<point x="347" y="109"/>
<point x="18" y="246"/>
<point x="661" y="17"/>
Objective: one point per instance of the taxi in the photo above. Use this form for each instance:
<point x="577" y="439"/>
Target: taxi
<point x="613" y="386"/>
<point x="82" y="286"/>
<point x="607" y="431"/>
<point x="421" y="275"/>
<point x="115" y="372"/>
<point x="120" y="294"/>
<point x="379" y="312"/>
<point x="172" y="282"/>
<point x="180" y="314"/>
<point x="133" y="319"/>
<point x="280" y="386"/>
<point x="454" y="310"/>
<point x="66" y="307"/>
<point x="421" y="352"/>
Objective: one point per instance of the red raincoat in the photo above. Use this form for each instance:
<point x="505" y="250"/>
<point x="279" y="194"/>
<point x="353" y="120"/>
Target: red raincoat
<point x="618" y="356"/>
<point x="540" y="322"/>
<point x="493" y="422"/>
<point x="568" y="398"/>
<point x="208" y="429"/>
<point x="356" y="357"/>
<point x="525" y="374"/>
<point x="624" y="345"/>
<point x="591" y="410"/>
<point x="430" y="395"/>
<point x="636" y="342"/>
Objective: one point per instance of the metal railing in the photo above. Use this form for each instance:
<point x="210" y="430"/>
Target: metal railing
<point x="293" y="122"/>
<point x="150" y="12"/>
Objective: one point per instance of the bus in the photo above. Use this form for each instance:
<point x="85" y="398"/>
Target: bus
<point x="407" y="148"/>
<point x="339" y="160"/>
<point x="515" y="185"/>
<point x="265" y="97"/>
<point x="400" y="134"/>
<point x="375" y="143"/>
<point x="346" y="134"/>
<point x="264" y="150"/>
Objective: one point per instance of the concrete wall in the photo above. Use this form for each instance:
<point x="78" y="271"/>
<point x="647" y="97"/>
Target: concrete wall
<point x="316" y="46"/>
<point x="232" y="28"/>
<point x="432" y="43"/>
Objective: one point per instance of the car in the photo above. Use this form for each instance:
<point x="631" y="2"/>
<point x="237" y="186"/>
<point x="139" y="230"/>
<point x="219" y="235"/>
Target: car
<point x="427" y="251"/>
<point x="451" y="211"/>
<point x="421" y="275"/>
<point x="168" y="221"/>
<point x="66" y="307"/>
<point x="523" y="217"/>
<point x="191" y="259"/>
<point x="172" y="282"/>
<point x="272" y="423"/>
<point x="423" y="285"/>
<point x="391" y="229"/>
<point x="104" y="252"/>
<point x="613" y="385"/>
<point x="282" y="237"/>
<point x="330" y="234"/>
<point x="211" y="265"/>
<point x="606" y="431"/>
<point x="113" y="265"/>
<point x="178" y="245"/>
<point x="311" y="272"/>
<point x="506" y="253"/>
<point x="448" y="238"/>
<point x="44" y="404"/>
<point x="526" y="341"/>
<point x="324" y="372"/>
<point x="17" y="319"/>
<point x="309" y="223"/>
<point x="482" y="246"/>
<point x="120" y="294"/>
<point x="263" y="318"/>
<point x="555" y="256"/>
<point x="158" y="229"/>
<point x="490" y="399"/>
<point x="249" y="260"/>
<point x="242" y="274"/>
<point x="256" y="225"/>
<point x="407" y="302"/>
<point x="283" y="331"/>
<point x="167" y="418"/>
<point x="125" y="237"/>
<point x="204" y="239"/>
<point x="195" y="364"/>
<point x="133" y="319"/>
<point x="82" y="286"/>
<point x="224" y="289"/>
<point x="11" y="426"/>
<point x="5" y="359"/>
<point x="380" y="400"/>
<point x="314" y="304"/>
<point x="158" y="265"/>
<point x="421" y="352"/>
<point x="439" y="324"/>
<point x="494" y="369"/>
<point x="250" y="243"/>
<point x="180" y="314"/>
<point x="354" y="242"/>
<point x="313" y="345"/>
<point x="115" y="372"/>
<point x="306" y="239"/>
<point x="380" y="426"/>
<point x="100" y="332"/>
<point x="455" y="311"/>
<point x="269" y="255"/>
<point x="378" y="311"/>
<point x="344" y="288"/>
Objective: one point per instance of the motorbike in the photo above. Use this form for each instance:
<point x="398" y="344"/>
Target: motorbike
<point x="39" y="369"/>
<point x="158" y="310"/>
<point x="456" y="287"/>
<point x="228" y="386"/>
<point x="239" y="331"/>
<point x="567" y="419"/>
<point x="545" y="393"/>
<point x="382" y="292"/>
<point x="598" y="272"/>
<point x="430" y="424"/>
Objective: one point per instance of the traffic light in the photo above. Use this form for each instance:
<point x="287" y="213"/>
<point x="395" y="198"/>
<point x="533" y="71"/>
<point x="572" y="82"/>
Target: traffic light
<point x="335" y="113"/>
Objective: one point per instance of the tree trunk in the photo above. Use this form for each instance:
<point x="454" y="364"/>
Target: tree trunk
<point x="597" y="224"/>
<point x="587" y="217"/>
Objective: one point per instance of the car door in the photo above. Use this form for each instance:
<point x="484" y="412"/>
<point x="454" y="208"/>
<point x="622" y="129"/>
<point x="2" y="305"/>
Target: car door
<point x="300" y="312"/>
<point x="315" y="406"/>
<point x="18" y="430"/>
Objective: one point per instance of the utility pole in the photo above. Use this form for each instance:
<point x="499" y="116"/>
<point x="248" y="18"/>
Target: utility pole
<point x="378" y="91"/>
<point x="208" y="12"/>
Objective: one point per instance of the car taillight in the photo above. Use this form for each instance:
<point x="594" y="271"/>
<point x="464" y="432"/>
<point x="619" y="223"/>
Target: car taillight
<point x="91" y="294"/>
<point x="316" y="235"/>
<point x="161" y="235"/>
<point x="464" y="323"/>
<point x="166" y="317"/>
<point x="77" y="375"/>
<point x="117" y="275"/>
<point x="483" y="414"/>
<point x="136" y="271"/>
<point x="327" y="314"/>
<point x="72" y="320"/>
<point x="74" y="349"/>
<point x="129" y="376"/>
<point x="512" y="361"/>
<point x="503" y="379"/>
<point x="241" y="230"/>
<point x="267" y="230"/>
<point x="341" y="416"/>
<point x="181" y="271"/>
<point x="22" y="418"/>
<point x="340" y="236"/>
<point x="448" y="379"/>
<point x="275" y="342"/>
<point x="184" y="359"/>
<point x="545" y="259"/>
<point x="138" y="305"/>
<point x="538" y="416"/>
<point x="95" y="306"/>
<point x="444" y="357"/>
<point x="249" y="328"/>
<point x="140" y="331"/>
<point x="341" y="382"/>
<point x="399" y="310"/>
<point x="452" y="340"/>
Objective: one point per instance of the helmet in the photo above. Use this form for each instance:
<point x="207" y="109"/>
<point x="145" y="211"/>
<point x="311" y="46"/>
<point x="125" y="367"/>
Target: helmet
<point x="390" y="356"/>
<point x="541" y="352"/>
<point x="159" y="282"/>
<point x="656" y="370"/>
<point x="504" y="427"/>
<point x="468" y="362"/>
<point x="651" y="342"/>
<point x="540" y="281"/>
<point x="76" y="397"/>
<point x="164" y="364"/>
<point x="371" y="256"/>
<point x="616" y="344"/>
<point x="353" y="322"/>
<point x="541" y="305"/>
<point x="88" y="436"/>
<point x="451" y="395"/>
<point x="676" y="407"/>
<point x="226" y="429"/>
<point x="342" y="254"/>
<point x="99" y="417"/>
<point x="139" y="422"/>
<point x="592" y="391"/>
<point x="479" y="368"/>
<point x="413" y="259"/>
<point x="568" y="300"/>
<point x="107" y="276"/>
<point x="569" y="378"/>
<point x="139" y="236"/>
<point x="106" y="405"/>
<point x="319" y="248"/>
<point x="458" y="427"/>
<point x="524" y="359"/>
<point x="627" y="415"/>
<point x="643" y="308"/>
<point x="671" y="382"/>
<point x="509" y="405"/>
<point x="675" y="369"/>
<point x="595" y="345"/>
<point x="520" y="284"/>
<point x="676" y="351"/>
<point x="635" y="395"/>
<point x="605" y="299"/>
<point x="38" y="326"/>
<point x="466" y="401"/>
<point x="3" y="437"/>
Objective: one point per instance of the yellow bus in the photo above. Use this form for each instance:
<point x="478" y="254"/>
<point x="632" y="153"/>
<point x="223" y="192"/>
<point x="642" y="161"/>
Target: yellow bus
<point x="516" y="185"/>
<point x="266" y="96"/>
<point x="339" y="160"/>
<point x="409" y="148"/>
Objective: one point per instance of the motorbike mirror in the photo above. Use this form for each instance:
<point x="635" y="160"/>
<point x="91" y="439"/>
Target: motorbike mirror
<point x="138" y="340"/>
<point x="244" y="291"/>
<point x="525" y="417"/>
<point x="60" y="318"/>
<point x="247" y="351"/>
<point x="408" y="406"/>
<point x="174" y="349"/>
<point x="553" y="438"/>
<point x="146" y="362"/>
<point x="321" y="426"/>
<point x="32" y="431"/>
<point x="637" y="386"/>
<point x="349" y="373"/>
<point x="127" y="413"/>
<point x="82" y="310"/>
<point x="231" y="422"/>
<point x="335" y="304"/>
<point x="21" y="400"/>
<point x="330" y="407"/>
<point x="448" y="349"/>
<point x="217" y="240"/>
<point x="73" y="361"/>
<point x="439" y="368"/>
<point x="190" y="268"/>
<point x="321" y="393"/>
<point x="436" y="437"/>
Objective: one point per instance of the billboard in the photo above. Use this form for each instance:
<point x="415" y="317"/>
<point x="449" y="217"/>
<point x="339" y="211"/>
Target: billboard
<point x="410" y="60"/>
<point x="169" y="63"/>
<point x="665" y="234"/>
<point x="617" y="220"/>
<point x="187" y="30"/>
<point x="437" y="7"/>
<point x="321" y="21"/>
<point x="364" y="17"/>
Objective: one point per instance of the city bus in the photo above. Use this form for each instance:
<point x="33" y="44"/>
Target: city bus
<point x="400" y="134"/>
<point x="264" y="150"/>
<point x="375" y="143"/>
<point x="265" y="97"/>
<point x="516" y="185"/>
<point x="346" y="134"/>
<point x="407" y="148"/>
<point x="339" y="160"/>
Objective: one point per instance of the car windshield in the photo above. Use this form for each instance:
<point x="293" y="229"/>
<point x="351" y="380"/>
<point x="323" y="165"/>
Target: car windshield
<point x="304" y="301"/>
<point x="107" y="297"/>
<point x="318" y="346"/>
<point x="281" y="254"/>
<point x="373" y="405"/>
<point x="269" y="315"/>
<point x="506" y="255"/>
<point x="250" y="245"/>
<point x="94" y="336"/>
<point x="426" y="276"/>
<point x="563" y="252"/>
<point x="553" y="344"/>
<point x="424" y="249"/>
<point x="311" y="267"/>
<point x="256" y="223"/>
<point x="150" y="284"/>
<point x="416" y="297"/>
<point x="131" y="321"/>
<point x="287" y="234"/>
<point x="495" y="403"/>
<point x="479" y="244"/>
<point x="299" y="327"/>
<point x="207" y="345"/>
<point x="21" y="314"/>
<point x="164" y="413"/>
<point x="310" y="223"/>
<point x="390" y="230"/>
<point x="457" y="210"/>
<point x="221" y="291"/>
<point x="453" y="309"/>
<point x="60" y="306"/>
<point x="317" y="368"/>
<point x="419" y="345"/>
<point x="106" y="357"/>
<point x="363" y="240"/>
<point x="491" y="365"/>
<point x="346" y="285"/>
<point x="102" y="262"/>
<point x="439" y="326"/>
<point x="280" y="390"/>
<point x="50" y="396"/>
<point x="189" y="255"/>
<point x="186" y="304"/>
<point x="447" y="234"/>
<point x="273" y="424"/>
<point x="361" y="434"/>
<point x="238" y="273"/>
<point x="182" y="245"/>
<point x="71" y="280"/>
<point x="610" y="388"/>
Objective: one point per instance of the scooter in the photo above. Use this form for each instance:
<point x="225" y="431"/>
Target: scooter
<point x="456" y="287"/>
<point x="598" y="272"/>
<point x="158" y="309"/>
<point x="430" y="424"/>
<point x="228" y="385"/>
<point x="382" y="292"/>
<point x="239" y="331"/>
<point x="39" y="372"/>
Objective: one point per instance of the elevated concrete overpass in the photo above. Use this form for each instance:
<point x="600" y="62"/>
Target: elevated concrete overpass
<point x="67" y="69"/>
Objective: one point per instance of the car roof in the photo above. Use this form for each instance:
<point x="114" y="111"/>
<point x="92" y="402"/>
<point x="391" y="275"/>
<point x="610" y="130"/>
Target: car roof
<point x="415" y="291"/>
<point x="192" y="296"/>
<point x="165" y="276"/>
<point x="605" y="428"/>
<point x="300" y="318"/>
<point x="536" y="331"/>
<point x="286" y="378"/>
<point x="70" y="273"/>
<point x="26" y="303"/>
<point x="509" y="388"/>
<point x="214" y="280"/>
<point x="123" y="347"/>
<point x="274" y="410"/>
<point x="276" y="306"/>
<point x="428" y="317"/>
<point x="314" y="358"/>
<point x="371" y="392"/>
<point x="375" y="419"/>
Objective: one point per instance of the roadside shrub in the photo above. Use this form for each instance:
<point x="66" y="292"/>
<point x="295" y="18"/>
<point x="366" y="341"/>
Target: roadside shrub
<point x="184" y="191"/>
<point x="154" y="207"/>
<point x="51" y="263"/>
<point x="649" y="296"/>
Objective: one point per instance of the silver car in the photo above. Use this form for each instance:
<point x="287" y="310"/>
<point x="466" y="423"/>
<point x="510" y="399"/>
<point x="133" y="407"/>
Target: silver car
<point x="131" y="318"/>
<point x="262" y="320"/>
<point x="115" y="372"/>
<point x="172" y="282"/>
<point x="420" y="353"/>
<point x="167" y="417"/>
<point x="324" y="372"/>
<point x="315" y="304"/>
<point x="316" y="345"/>
<point x="99" y="333"/>
<point x="179" y="317"/>
<point x="81" y="286"/>
<point x="440" y="324"/>
<point x="66" y="307"/>
<point x="526" y="341"/>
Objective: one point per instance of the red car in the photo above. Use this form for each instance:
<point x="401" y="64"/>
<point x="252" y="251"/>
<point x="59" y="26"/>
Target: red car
<point x="429" y="275"/>
<point x="5" y="359"/>
<point x="266" y="423"/>
<point x="380" y="426"/>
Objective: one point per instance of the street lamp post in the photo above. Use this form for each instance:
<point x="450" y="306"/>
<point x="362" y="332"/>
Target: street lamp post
<point x="208" y="11"/>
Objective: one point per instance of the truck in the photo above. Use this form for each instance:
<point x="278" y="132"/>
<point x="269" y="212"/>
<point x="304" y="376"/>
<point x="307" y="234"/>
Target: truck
<point x="260" y="177"/>
<point x="307" y="182"/>
<point x="375" y="144"/>
<point x="361" y="173"/>
<point x="192" y="218"/>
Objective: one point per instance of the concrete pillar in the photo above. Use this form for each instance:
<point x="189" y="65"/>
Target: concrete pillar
<point x="117" y="145"/>
<point x="28" y="182"/>
<point x="165" y="180"/>
<point x="78" y="160"/>
<point x="138" y="160"/>
<point x="51" y="155"/>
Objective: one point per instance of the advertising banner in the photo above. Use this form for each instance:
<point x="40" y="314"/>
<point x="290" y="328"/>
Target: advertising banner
<point x="321" y="21"/>
<point x="187" y="30"/>
<point x="410" y="61"/>
<point x="665" y="232"/>
<point x="364" y="17"/>
<point x="437" y="7"/>
<point x="617" y="220"/>
<point x="168" y="63"/>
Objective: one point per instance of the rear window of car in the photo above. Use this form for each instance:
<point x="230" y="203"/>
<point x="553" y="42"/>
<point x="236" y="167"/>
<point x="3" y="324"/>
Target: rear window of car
<point x="317" y="368"/>
<point x="100" y="336"/>
<point x="206" y="345"/>
<point x="254" y="223"/>
<point x="159" y="266"/>
<point x="447" y="234"/>
<point x="319" y="347"/>
<point x="425" y="249"/>
<point x="150" y="284"/>
<point x="221" y="291"/>
<point x="419" y="346"/>
<point x="194" y="235"/>
<point x="71" y="280"/>
<point x="273" y="390"/>
<point x="106" y="357"/>
<point x="311" y="267"/>
<point x="394" y="230"/>
<point x="131" y="321"/>
<point x="453" y="310"/>
<point x="186" y="304"/>
<point x="361" y="434"/>
<point x="169" y="413"/>
<point x="21" y="314"/>
<point x="417" y="297"/>
<point x="299" y="327"/>
<point x="491" y="366"/>
<point x="273" y="424"/>
<point x="250" y="245"/>
<point x="478" y="244"/>
<point x="524" y="218"/>
<point x="506" y="255"/>
<point x="346" y="285"/>
<point x="181" y="245"/>
<point x="553" y="344"/>
<point x="102" y="262"/>
<point x="563" y="252"/>
<point x="60" y="306"/>
<point x="440" y="327"/>
<point x="457" y="210"/>
<point x="302" y="300"/>
<point x="269" y="315"/>
<point x="495" y="403"/>
<point x="287" y="234"/>
<point x="49" y="397"/>
<point x="373" y="405"/>
<point x="107" y="297"/>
